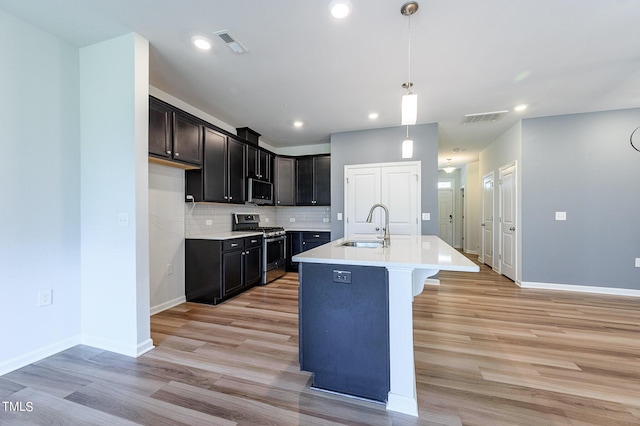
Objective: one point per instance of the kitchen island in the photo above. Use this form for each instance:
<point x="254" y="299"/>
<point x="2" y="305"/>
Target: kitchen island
<point x="346" y="291"/>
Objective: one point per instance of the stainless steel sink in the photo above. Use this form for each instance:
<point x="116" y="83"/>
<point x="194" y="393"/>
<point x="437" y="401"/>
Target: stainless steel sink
<point x="366" y="244"/>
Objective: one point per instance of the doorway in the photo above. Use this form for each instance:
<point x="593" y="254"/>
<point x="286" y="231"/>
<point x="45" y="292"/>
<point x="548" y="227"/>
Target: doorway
<point x="396" y="185"/>
<point x="445" y="212"/>
<point x="508" y="249"/>
<point x="487" y="220"/>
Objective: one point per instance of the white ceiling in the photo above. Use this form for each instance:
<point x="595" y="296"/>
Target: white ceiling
<point x="468" y="56"/>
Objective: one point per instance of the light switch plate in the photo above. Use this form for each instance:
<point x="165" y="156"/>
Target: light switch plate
<point x="561" y="215"/>
<point x="637" y="262"/>
<point x="426" y="216"/>
<point x="339" y="217"/>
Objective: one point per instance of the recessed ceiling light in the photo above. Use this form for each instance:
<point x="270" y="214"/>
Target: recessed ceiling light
<point x="200" y="42"/>
<point x="520" y="107"/>
<point x="340" y="8"/>
<point x="298" y="124"/>
<point x="373" y="116"/>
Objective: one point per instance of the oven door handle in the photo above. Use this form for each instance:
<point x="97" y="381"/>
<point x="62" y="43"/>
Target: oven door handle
<point x="274" y="239"/>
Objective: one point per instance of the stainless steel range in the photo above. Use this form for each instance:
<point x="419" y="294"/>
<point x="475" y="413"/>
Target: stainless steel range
<point x="274" y="246"/>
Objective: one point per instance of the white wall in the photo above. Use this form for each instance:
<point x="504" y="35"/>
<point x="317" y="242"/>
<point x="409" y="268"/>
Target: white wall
<point x="166" y="236"/>
<point x="473" y="205"/>
<point x="114" y="97"/>
<point x="40" y="192"/>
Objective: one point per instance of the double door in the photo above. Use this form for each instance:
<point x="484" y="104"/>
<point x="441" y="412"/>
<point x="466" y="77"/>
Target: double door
<point x="396" y="185"/>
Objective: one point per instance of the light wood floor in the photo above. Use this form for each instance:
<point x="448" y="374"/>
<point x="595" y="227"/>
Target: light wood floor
<point x="487" y="353"/>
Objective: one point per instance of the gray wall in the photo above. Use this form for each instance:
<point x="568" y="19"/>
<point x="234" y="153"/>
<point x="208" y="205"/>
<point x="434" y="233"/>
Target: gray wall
<point x="384" y="146"/>
<point x="584" y="165"/>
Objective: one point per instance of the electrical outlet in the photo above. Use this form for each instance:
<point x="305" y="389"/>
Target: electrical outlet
<point x="325" y="219"/>
<point x="209" y="222"/>
<point x="169" y="268"/>
<point x="343" y="277"/>
<point x="292" y="219"/>
<point x="561" y="215"/>
<point x="123" y="219"/>
<point x="426" y="216"/>
<point x="266" y="220"/>
<point x="637" y="262"/>
<point x="45" y="297"/>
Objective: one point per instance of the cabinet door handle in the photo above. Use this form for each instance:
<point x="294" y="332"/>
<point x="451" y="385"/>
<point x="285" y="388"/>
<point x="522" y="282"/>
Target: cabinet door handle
<point x="316" y="236"/>
<point x="225" y="197"/>
<point x="231" y="198"/>
<point x="254" y="241"/>
<point x="177" y="154"/>
<point x="234" y="244"/>
<point x="169" y="152"/>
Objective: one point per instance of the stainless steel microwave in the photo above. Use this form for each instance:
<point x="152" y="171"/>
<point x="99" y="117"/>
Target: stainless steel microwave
<point x="259" y="191"/>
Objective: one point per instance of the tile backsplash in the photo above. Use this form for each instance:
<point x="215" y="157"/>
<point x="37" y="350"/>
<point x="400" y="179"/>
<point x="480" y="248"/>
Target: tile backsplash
<point x="211" y="218"/>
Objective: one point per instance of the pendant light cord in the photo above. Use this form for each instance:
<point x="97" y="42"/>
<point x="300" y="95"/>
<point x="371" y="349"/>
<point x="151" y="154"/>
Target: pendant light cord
<point x="409" y="58"/>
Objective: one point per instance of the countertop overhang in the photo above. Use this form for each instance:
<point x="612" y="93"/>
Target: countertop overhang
<point x="405" y="251"/>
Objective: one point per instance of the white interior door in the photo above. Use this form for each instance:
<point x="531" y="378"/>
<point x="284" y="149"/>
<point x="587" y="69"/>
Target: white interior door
<point x="445" y="215"/>
<point x="363" y="187"/>
<point x="487" y="219"/>
<point x="396" y="185"/>
<point x="508" y="221"/>
<point x="399" y="192"/>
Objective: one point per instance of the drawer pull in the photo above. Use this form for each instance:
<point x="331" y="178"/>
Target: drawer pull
<point x="234" y="244"/>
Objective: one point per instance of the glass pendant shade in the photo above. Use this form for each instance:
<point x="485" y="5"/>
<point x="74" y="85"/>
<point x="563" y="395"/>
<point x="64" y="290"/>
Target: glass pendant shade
<point x="409" y="109"/>
<point x="407" y="148"/>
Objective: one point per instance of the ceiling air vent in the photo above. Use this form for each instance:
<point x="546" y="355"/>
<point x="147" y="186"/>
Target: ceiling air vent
<point x="233" y="44"/>
<point x="483" y="117"/>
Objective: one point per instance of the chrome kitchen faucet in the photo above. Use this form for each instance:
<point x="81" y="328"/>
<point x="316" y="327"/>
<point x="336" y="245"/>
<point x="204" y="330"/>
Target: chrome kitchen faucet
<point x="387" y="238"/>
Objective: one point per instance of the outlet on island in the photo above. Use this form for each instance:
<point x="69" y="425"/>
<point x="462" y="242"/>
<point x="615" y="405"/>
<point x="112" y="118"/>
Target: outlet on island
<point x="343" y="277"/>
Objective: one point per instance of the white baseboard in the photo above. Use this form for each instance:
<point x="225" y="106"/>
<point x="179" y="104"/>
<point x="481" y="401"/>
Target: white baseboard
<point x="37" y="355"/>
<point x="145" y="347"/>
<point x="167" y="305"/>
<point x="582" y="288"/>
<point x="470" y="251"/>
<point x="133" y="351"/>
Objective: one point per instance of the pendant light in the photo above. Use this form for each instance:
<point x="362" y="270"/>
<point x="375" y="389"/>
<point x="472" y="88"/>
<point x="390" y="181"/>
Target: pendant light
<point x="409" y="100"/>
<point x="449" y="168"/>
<point x="407" y="146"/>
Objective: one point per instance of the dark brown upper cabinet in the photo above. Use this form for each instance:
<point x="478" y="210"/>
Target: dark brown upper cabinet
<point x="175" y="138"/>
<point x="313" y="180"/>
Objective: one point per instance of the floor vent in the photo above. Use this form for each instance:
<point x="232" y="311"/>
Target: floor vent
<point x="483" y="117"/>
<point x="233" y="44"/>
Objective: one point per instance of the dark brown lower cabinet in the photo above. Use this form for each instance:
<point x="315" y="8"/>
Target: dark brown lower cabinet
<point x="299" y="241"/>
<point x="216" y="270"/>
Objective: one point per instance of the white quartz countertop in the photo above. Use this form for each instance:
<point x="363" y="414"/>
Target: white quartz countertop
<point x="225" y="235"/>
<point x="420" y="252"/>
